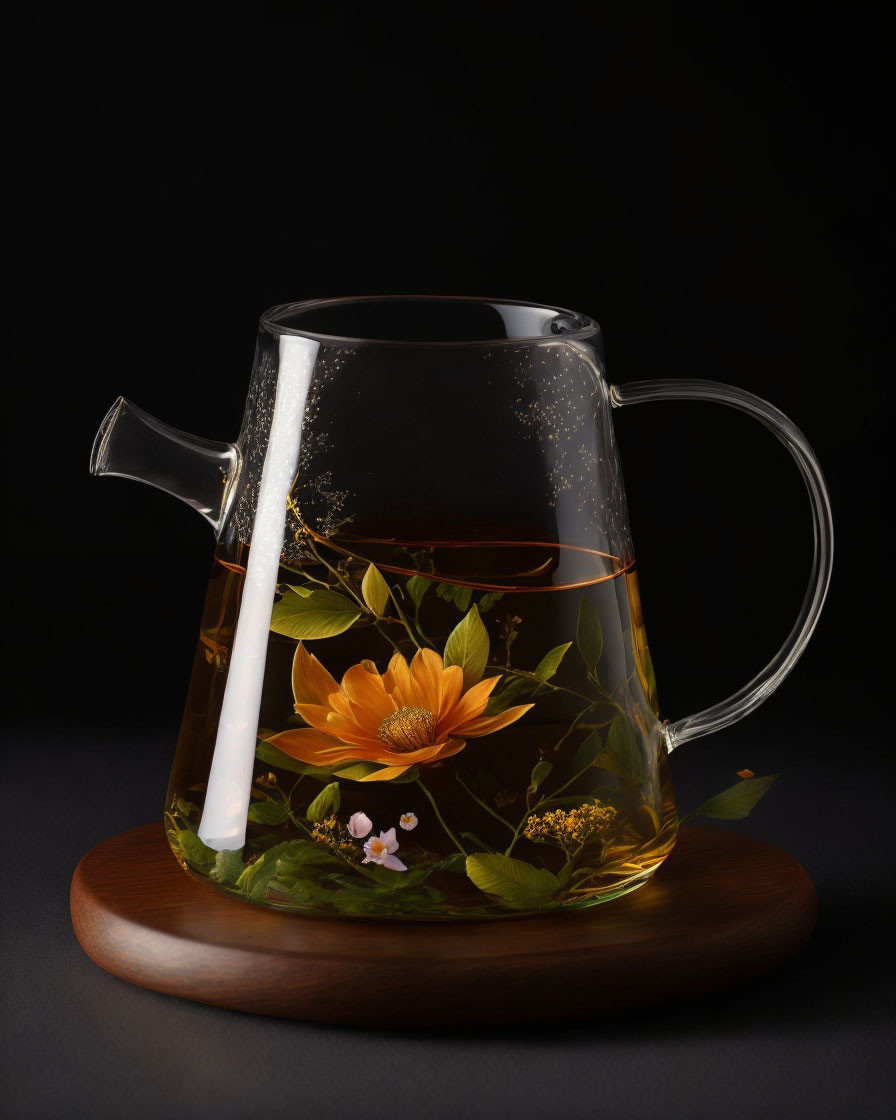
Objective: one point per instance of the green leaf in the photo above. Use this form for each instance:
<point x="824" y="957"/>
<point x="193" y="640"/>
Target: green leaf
<point x="516" y="883"/>
<point x="326" y="802"/>
<point x="587" y="753"/>
<point x="539" y="772"/>
<point x="266" y="812"/>
<point x="736" y="802"/>
<point x="500" y="701"/>
<point x="416" y="587"/>
<point x="304" y="854"/>
<point x="462" y="596"/>
<point x="488" y="600"/>
<point x="375" y="590"/>
<point x="622" y="755"/>
<point x="564" y="874"/>
<point x="384" y="905"/>
<point x="550" y="663"/>
<point x="353" y="771"/>
<point x="303" y="591"/>
<point x="323" y="614"/>
<point x="271" y="756"/>
<point x="457" y="864"/>
<point x="186" y="808"/>
<point x="228" y="868"/>
<point x="468" y="647"/>
<point x="398" y="880"/>
<point x="454" y="593"/>
<point x="358" y="771"/>
<point x="589" y="636"/>
<point x="255" y="878"/>
<point x="302" y="892"/>
<point x="410" y="775"/>
<point x="260" y="843"/>
<point x="190" y="848"/>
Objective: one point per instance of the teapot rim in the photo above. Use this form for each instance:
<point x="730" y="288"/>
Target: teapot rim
<point x="583" y="326"/>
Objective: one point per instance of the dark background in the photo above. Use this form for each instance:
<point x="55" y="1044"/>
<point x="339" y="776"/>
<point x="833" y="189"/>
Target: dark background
<point x="707" y="182"/>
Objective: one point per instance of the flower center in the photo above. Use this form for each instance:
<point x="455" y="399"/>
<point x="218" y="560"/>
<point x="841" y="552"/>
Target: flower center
<point x="408" y="729"/>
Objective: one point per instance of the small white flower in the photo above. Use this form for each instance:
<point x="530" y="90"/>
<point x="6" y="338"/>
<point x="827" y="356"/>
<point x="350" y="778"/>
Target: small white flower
<point x="359" y="824"/>
<point x="408" y="821"/>
<point x="380" y="849"/>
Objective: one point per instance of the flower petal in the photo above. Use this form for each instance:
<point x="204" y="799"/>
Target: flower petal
<point x="341" y="704"/>
<point x="370" y="701"/>
<point x="450" y="747"/>
<point x="386" y="774"/>
<point x="314" y="714"/>
<point x="348" y="731"/>
<point x="485" y="725"/>
<point x="426" y="680"/>
<point x="397" y="679"/>
<point x="411" y="758"/>
<point x="392" y="862"/>
<point x="359" y="825"/>
<point x="470" y="705"/>
<point x="452" y="684"/>
<point x="388" y="839"/>
<point x="311" y="683"/>
<point x="304" y="743"/>
<point x="425" y="755"/>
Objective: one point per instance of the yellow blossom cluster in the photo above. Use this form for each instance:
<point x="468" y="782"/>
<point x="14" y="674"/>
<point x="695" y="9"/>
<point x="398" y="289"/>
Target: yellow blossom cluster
<point x="570" y="827"/>
<point x="331" y="833"/>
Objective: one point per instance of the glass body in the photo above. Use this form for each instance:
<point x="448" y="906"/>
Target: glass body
<point x="422" y="686"/>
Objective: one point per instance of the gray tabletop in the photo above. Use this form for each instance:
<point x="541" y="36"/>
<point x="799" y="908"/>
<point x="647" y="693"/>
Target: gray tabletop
<point x="812" y="1039"/>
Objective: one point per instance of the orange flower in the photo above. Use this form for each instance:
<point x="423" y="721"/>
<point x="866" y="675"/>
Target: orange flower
<point x="410" y="715"/>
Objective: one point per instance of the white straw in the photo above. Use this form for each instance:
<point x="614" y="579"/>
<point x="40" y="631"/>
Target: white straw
<point x="223" y="825"/>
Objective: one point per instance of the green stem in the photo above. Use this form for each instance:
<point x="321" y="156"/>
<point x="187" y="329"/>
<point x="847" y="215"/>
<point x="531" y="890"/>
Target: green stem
<point x="604" y="697"/>
<point x="519" y="828"/>
<point x="404" y="620"/>
<point x="566" y="785"/>
<point x="435" y="808"/>
<point x="284" y="804"/>
<point x="575" y="723"/>
<point x="343" y="582"/>
<point x="531" y="677"/>
<point x="428" y="641"/>
<point x="314" y="579"/>
<point x="388" y="637"/>
<point x="550" y="796"/>
<point x="487" y="808"/>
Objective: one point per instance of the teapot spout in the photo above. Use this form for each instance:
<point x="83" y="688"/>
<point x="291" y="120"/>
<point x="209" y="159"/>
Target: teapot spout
<point x="132" y="444"/>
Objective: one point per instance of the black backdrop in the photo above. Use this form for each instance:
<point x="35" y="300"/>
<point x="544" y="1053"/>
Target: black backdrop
<point x="706" y="185"/>
<point x="707" y="182"/>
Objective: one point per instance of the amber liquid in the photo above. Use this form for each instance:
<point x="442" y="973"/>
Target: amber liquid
<point x="481" y="799"/>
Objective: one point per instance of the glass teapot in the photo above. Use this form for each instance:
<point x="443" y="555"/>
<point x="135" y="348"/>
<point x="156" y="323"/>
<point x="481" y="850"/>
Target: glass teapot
<point x="422" y="686"/>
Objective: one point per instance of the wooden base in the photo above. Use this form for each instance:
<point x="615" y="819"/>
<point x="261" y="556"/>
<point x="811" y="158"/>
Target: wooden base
<point x="722" y="910"/>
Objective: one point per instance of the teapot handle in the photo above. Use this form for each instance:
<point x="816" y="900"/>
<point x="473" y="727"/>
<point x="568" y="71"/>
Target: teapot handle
<point x="746" y="699"/>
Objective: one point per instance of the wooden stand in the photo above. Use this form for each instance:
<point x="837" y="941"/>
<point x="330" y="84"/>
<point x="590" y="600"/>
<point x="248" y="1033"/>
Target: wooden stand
<point x="722" y="910"/>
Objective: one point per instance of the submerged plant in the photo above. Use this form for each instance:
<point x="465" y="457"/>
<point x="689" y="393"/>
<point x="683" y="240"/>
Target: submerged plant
<point x="574" y="806"/>
<point x="570" y="828"/>
<point x="381" y="850"/>
<point x="410" y="715"/>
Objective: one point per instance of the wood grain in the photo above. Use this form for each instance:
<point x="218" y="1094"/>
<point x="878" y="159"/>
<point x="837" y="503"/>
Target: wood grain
<point x="722" y="910"/>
